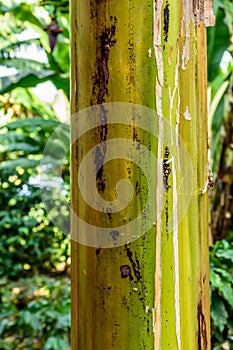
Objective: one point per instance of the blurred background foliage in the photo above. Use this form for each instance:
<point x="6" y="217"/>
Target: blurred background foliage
<point x="34" y="253"/>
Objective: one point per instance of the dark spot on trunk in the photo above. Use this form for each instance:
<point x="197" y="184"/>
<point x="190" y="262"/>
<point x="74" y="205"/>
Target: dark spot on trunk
<point x="166" y="173"/>
<point x="102" y="75"/>
<point x="103" y="125"/>
<point x="99" y="159"/>
<point x="135" y="135"/>
<point x="198" y="10"/>
<point x="126" y="272"/>
<point x="97" y="251"/>
<point x="109" y="213"/>
<point x="167" y="215"/>
<point x="99" y="91"/>
<point x="148" y="326"/>
<point x="129" y="172"/>
<point x="137" y="188"/>
<point x="202" y="331"/>
<point x="166" y="168"/>
<point x="100" y="186"/>
<point x="134" y="263"/>
<point x="166" y="22"/>
<point x="125" y="303"/>
<point x="115" y="235"/>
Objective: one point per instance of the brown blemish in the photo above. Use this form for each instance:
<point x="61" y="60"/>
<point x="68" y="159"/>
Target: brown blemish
<point x="109" y="213"/>
<point x="99" y="160"/>
<point x="203" y="11"/>
<point x="125" y="303"/>
<point x="135" y="134"/>
<point x="202" y="331"/>
<point x="126" y="272"/>
<point x="167" y="216"/>
<point x="166" y="21"/>
<point x="101" y="78"/>
<point x="134" y="263"/>
<point x="97" y="251"/>
<point x="101" y="185"/>
<point x="115" y="235"/>
<point x="166" y="173"/>
<point x="129" y="172"/>
<point x="166" y="169"/>
<point x="99" y="91"/>
<point x="137" y="188"/>
<point x="198" y="10"/>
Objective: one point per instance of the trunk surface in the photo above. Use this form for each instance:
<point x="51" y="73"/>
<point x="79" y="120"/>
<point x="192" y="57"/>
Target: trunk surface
<point x="152" y="290"/>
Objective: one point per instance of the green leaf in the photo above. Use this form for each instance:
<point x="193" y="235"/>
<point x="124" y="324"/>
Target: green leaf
<point x="64" y="322"/>
<point x="26" y="79"/>
<point x="9" y="49"/>
<point x="220" y="79"/>
<point x="215" y="279"/>
<point x="225" y="251"/>
<point x="23" y="12"/>
<point x="16" y="141"/>
<point x="225" y="274"/>
<point x="35" y="122"/>
<point x="22" y="64"/>
<point x="218" y="42"/>
<point x="20" y="146"/>
<point x="62" y="55"/>
<point x="62" y="82"/>
<point x="227" y="292"/>
<point x="30" y="319"/>
<point x="24" y="163"/>
<point x="3" y="325"/>
<point x="217" y="98"/>
<point x="218" y="313"/>
<point x="224" y="288"/>
<point x="11" y="137"/>
<point x="226" y="254"/>
<point x="56" y="343"/>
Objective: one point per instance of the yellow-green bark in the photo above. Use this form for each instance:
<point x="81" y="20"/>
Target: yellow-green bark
<point x="150" y="53"/>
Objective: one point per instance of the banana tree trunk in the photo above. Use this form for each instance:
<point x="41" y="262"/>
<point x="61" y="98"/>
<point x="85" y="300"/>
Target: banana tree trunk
<point x="145" y="288"/>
